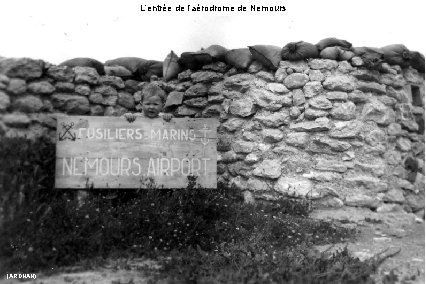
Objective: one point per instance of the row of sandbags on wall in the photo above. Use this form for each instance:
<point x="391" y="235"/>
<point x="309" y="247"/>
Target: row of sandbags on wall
<point x="268" y="55"/>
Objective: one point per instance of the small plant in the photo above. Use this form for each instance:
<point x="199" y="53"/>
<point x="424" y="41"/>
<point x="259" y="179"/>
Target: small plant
<point x="210" y="234"/>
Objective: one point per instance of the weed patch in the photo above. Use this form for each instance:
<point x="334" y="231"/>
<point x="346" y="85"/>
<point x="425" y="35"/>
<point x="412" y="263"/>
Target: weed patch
<point x="206" y="235"/>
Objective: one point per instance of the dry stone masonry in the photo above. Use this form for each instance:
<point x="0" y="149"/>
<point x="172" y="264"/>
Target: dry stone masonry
<point x="333" y="131"/>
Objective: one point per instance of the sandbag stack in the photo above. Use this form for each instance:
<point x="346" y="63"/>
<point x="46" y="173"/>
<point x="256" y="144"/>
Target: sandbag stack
<point x="267" y="57"/>
<point x="300" y="50"/>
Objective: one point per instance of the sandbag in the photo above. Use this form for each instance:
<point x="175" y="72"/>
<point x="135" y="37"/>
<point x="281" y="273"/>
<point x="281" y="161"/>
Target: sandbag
<point x="359" y="50"/>
<point x="130" y="63"/>
<point x="150" y="68"/>
<point x="239" y="58"/>
<point x="417" y="61"/>
<point x="331" y="52"/>
<point x="345" y="55"/>
<point x="118" y="71"/>
<point x="171" y="67"/>
<point x="85" y="62"/>
<point x="187" y="61"/>
<point x="194" y="60"/>
<point x="396" y="54"/>
<point x="372" y="58"/>
<point x="332" y="41"/>
<point x="267" y="55"/>
<point x="217" y="52"/>
<point x="300" y="50"/>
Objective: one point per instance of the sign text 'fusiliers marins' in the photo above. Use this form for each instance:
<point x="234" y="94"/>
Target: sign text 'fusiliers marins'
<point x="110" y="152"/>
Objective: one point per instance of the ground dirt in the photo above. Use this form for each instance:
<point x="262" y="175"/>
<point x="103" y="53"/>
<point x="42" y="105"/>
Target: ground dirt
<point x="397" y="238"/>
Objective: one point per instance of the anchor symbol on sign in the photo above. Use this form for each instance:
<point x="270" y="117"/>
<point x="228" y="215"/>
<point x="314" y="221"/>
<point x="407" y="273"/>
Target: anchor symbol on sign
<point x="67" y="127"/>
<point x="205" y="140"/>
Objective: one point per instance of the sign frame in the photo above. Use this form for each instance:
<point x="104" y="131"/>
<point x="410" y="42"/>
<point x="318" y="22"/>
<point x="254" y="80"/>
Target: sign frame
<point x="110" y="152"/>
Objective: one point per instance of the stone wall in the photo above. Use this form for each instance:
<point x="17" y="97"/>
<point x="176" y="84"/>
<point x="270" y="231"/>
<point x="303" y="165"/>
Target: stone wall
<point x="332" y="131"/>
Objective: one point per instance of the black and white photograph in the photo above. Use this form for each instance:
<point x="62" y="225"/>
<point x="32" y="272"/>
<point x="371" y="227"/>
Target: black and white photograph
<point x="212" y="142"/>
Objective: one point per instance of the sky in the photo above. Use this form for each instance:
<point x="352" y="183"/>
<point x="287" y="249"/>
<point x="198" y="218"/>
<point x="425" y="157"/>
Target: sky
<point x="57" y="30"/>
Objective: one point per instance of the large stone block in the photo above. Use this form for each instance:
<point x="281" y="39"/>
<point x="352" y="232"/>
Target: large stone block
<point x="299" y="66"/>
<point x="274" y="119"/>
<point x="197" y="90"/>
<point x="272" y="135"/>
<point x="312" y="89"/>
<point x="96" y="98"/>
<point x="239" y="169"/>
<point x="332" y="144"/>
<point x="266" y="99"/>
<point x="339" y="83"/>
<point x="113" y="81"/>
<point x="376" y="111"/>
<point x="200" y="102"/>
<point x="233" y="124"/>
<point x="320" y="102"/>
<point x="403" y="144"/>
<point x="4" y="101"/>
<point x="106" y="90"/>
<point x="72" y="104"/>
<point x="239" y="82"/>
<point x="393" y="80"/>
<point x="296" y="80"/>
<point x="277" y="88"/>
<point x="206" y="77"/>
<point x="280" y="75"/>
<point x="330" y="165"/>
<point x="371" y="87"/>
<point x="61" y="73"/>
<point x="24" y="68"/>
<point x="254" y="184"/>
<point x="362" y="200"/>
<point x="185" y="111"/>
<point x="413" y="76"/>
<point x="244" y="147"/>
<point x="347" y="129"/>
<point x="174" y="99"/>
<point x="316" y="75"/>
<point x="109" y="100"/>
<point x="42" y="87"/>
<point x="65" y="87"/>
<point x="298" y="139"/>
<point x="242" y="107"/>
<point x="28" y="103"/>
<point x="17" y="86"/>
<point x="83" y="90"/>
<point x="19" y="120"/>
<point x="366" y="75"/>
<point x="320" y="124"/>
<point x="213" y="111"/>
<point x="294" y="186"/>
<point x="298" y="97"/>
<point x="126" y="100"/>
<point x="312" y="113"/>
<point x="114" y="111"/>
<point x="86" y="75"/>
<point x="359" y="97"/>
<point x="367" y="182"/>
<point x="337" y="96"/>
<point x="400" y="94"/>
<point x="96" y="110"/>
<point x="268" y="169"/>
<point x="344" y="111"/>
<point x="323" y="176"/>
<point x="327" y="64"/>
